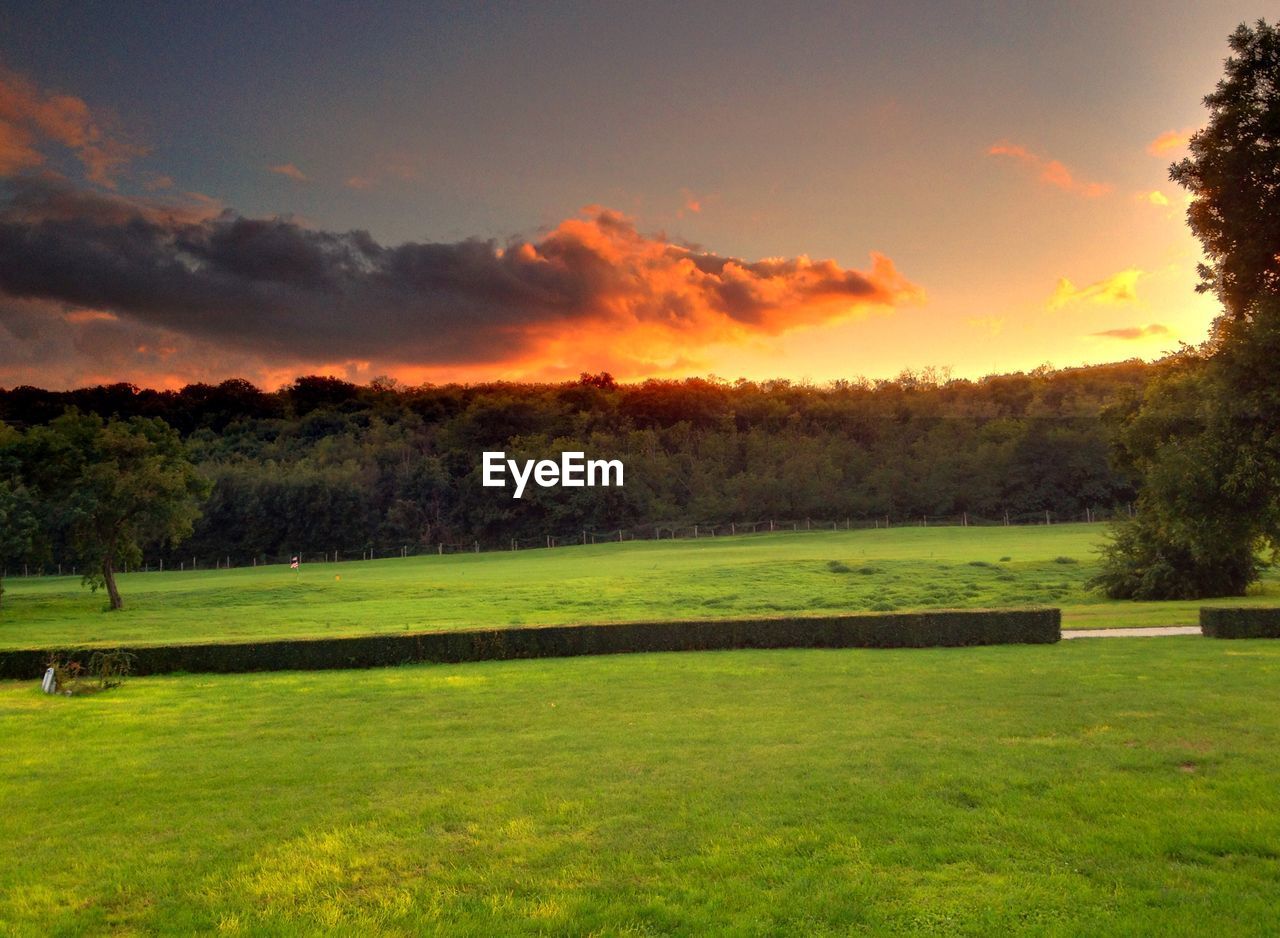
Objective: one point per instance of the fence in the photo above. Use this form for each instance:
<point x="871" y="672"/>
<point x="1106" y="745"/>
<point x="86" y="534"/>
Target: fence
<point x="176" y="562"/>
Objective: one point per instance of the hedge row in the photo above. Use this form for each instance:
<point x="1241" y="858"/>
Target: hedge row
<point x="888" y="630"/>
<point x="1240" y="622"/>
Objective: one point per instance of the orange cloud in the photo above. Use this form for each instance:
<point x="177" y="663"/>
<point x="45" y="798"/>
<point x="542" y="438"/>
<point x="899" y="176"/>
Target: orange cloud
<point x="360" y="182"/>
<point x="1131" y="333"/>
<point x="1154" y="197"/>
<point x="30" y="117"/>
<point x="289" y="170"/>
<point x="1118" y="288"/>
<point x="1049" y="171"/>
<point x="1170" y="141"/>
<point x="79" y="316"/>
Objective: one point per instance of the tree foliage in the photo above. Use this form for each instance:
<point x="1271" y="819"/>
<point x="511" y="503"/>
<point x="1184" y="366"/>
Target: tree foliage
<point x="111" y="488"/>
<point x="1233" y="174"/>
<point x="19" y="522"/>
<point x="1205" y="439"/>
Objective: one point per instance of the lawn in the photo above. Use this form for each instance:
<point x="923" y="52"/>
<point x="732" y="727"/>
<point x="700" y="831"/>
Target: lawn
<point x="1105" y="786"/>
<point x="819" y="571"/>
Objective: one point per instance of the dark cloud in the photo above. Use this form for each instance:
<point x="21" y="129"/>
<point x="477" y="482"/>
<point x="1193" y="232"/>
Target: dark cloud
<point x="283" y="291"/>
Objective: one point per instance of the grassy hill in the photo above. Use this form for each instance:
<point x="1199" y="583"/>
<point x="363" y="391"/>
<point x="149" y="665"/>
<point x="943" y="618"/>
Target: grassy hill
<point x="818" y="571"/>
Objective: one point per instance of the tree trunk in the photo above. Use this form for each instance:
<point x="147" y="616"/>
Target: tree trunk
<point x="109" y="577"/>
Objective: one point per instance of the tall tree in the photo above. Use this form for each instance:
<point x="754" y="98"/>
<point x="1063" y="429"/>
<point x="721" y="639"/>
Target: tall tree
<point x="1233" y="175"/>
<point x="1205" y="439"/>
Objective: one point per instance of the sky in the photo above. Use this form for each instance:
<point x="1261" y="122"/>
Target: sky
<point x="474" y="192"/>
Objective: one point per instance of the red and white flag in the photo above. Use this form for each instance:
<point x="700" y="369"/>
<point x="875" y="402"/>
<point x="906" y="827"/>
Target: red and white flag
<point x="293" y="564"/>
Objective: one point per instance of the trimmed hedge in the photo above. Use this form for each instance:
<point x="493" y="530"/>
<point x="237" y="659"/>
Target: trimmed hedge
<point x="1240" y="621"/>
<point x="888" y="630"/>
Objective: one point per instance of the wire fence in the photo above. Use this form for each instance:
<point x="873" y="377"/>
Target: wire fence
<point x="683" y="530"/>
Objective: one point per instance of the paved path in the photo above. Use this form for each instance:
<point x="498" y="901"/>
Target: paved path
<point x="1132" y="633"/>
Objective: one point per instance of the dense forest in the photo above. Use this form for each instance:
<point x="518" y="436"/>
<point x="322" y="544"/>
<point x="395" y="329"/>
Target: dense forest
<point x="324" y="465"/>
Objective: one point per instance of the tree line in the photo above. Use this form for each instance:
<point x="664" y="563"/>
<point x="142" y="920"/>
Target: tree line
<point x="325" y="464"/>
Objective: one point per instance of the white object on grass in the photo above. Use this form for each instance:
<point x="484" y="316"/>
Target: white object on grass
<point x="50" y="683"/>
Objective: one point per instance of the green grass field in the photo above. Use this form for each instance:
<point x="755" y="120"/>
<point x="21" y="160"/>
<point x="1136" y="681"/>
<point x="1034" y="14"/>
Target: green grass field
<point x="1104" y="786"/>
<point x="896" y="569"/>
<point x="763" y="575"/>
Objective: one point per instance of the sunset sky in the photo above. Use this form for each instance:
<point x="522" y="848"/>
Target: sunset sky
<point x="479" y="191"/>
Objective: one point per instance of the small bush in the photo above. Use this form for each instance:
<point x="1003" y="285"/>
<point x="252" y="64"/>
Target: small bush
<point x="105" y="670"/>
<point x="1005" y="559"/>
<point x="1240" y="622"/>
<point x="836" y="566"/>
<point x="868" y="571"/>
<point x="1065" y="560"/>
<point x="979" y="563"/>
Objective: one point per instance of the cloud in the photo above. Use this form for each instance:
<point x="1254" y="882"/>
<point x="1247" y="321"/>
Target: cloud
<point x="1170" y="141"/>
<point x="1130" y="333"/>
<point x="395" y="166"/>
<point x="1154" y="197"/>
<point x="288" y="294"/>
<point x="31" y="119"/>
<point x="1051" y="172"/>
<point x="290" y="170"/>
<point x="1120" y="287"/>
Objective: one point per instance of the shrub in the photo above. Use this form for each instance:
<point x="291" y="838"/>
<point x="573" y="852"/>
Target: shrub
<point x="836" y="566"/>
<point x="105" y="670"/>
<point x="1240" y="622"/>
<point x="1143" y="560"/>
<point x="1065" y="560"/>
<point x="942" y="627"/>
